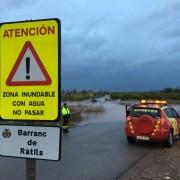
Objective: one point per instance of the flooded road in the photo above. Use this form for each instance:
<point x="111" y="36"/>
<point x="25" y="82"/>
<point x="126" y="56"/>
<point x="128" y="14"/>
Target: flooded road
<point x="96" y="149"/>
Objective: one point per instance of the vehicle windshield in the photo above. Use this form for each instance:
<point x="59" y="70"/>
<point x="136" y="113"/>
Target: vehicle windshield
<point x="136" y="112"/>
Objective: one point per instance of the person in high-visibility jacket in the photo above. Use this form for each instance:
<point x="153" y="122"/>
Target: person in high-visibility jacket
<point x="66" y="115"/>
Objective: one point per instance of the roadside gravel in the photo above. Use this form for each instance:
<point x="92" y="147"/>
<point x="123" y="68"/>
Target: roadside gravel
<point x="160" y="164"/>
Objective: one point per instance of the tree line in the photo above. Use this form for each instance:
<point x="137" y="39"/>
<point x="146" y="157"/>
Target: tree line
<point x="164" y="94"/>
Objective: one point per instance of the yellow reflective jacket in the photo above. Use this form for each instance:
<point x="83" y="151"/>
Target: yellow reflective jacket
<point x="65" y="111"/>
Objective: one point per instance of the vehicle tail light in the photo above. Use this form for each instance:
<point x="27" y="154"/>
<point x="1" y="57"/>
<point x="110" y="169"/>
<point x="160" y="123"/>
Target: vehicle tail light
<point x="156" y="127"/>
<point x="158" y="122"/>
<point x="130" y="125"/>
<point x="128" y="118"/>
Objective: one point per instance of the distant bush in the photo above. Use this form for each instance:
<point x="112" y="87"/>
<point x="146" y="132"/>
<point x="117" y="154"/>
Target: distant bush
<point x="76" y="96"/>
<point x="146" y="95"/>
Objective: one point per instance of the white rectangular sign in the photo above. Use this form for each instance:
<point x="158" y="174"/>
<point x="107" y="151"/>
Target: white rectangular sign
<point x="30" y="142"/>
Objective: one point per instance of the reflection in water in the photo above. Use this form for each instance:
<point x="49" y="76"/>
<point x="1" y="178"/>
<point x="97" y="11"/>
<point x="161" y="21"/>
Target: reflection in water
<point x="113" y="112"/>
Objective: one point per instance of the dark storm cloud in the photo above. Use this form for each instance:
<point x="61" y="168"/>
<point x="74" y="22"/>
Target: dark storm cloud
<point x="166" y="20"/>
<point x="13" y="3"/>
<point x="9" y="9"/>
<point x="145" y="76"/>
<point x="84" y="46"/>
<point x="118" y="45"/>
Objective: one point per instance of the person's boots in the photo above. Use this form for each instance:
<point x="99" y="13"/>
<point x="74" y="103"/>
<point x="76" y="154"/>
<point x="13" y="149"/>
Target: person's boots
<point x="64" y="131"/>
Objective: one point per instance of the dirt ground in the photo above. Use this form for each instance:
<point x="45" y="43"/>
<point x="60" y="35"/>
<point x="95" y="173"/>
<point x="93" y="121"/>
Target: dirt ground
<point x="160" y="164"/>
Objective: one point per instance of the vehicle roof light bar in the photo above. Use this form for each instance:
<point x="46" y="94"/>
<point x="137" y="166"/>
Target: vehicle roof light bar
<point x="163" y="102"/>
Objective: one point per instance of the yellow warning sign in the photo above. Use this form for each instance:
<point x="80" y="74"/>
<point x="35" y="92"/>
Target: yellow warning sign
<point x="30" y="70"/>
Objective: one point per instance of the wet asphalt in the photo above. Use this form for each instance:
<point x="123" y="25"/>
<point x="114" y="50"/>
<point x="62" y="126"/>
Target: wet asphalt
<point x="95" y="149"/>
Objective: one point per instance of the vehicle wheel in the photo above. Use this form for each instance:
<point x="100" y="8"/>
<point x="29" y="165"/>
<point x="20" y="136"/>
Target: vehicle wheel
<point x="169" y="141"/>
<point x="131" y="139"/>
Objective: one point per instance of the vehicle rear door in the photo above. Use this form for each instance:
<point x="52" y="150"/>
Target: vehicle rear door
<point x="176" y="115"/>
<point x="172" y="116"/>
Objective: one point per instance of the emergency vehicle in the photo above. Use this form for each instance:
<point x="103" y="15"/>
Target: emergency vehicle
<point x="152" y="120"/>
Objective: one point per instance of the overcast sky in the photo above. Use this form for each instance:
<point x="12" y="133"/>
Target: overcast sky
<point x="119" y="45"/>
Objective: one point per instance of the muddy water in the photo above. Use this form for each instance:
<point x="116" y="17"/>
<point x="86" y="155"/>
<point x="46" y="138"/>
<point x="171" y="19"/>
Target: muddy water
<point x="114" y="111"/>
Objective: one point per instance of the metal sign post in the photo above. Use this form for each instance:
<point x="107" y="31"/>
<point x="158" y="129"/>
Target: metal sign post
<point x="30" y="169"/>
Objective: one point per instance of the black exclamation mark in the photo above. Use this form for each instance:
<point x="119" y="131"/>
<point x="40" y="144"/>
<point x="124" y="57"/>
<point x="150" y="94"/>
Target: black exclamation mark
<point x="27" y="68"/>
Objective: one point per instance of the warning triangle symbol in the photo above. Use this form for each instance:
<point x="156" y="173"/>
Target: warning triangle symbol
<point x="28" y="69"/>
